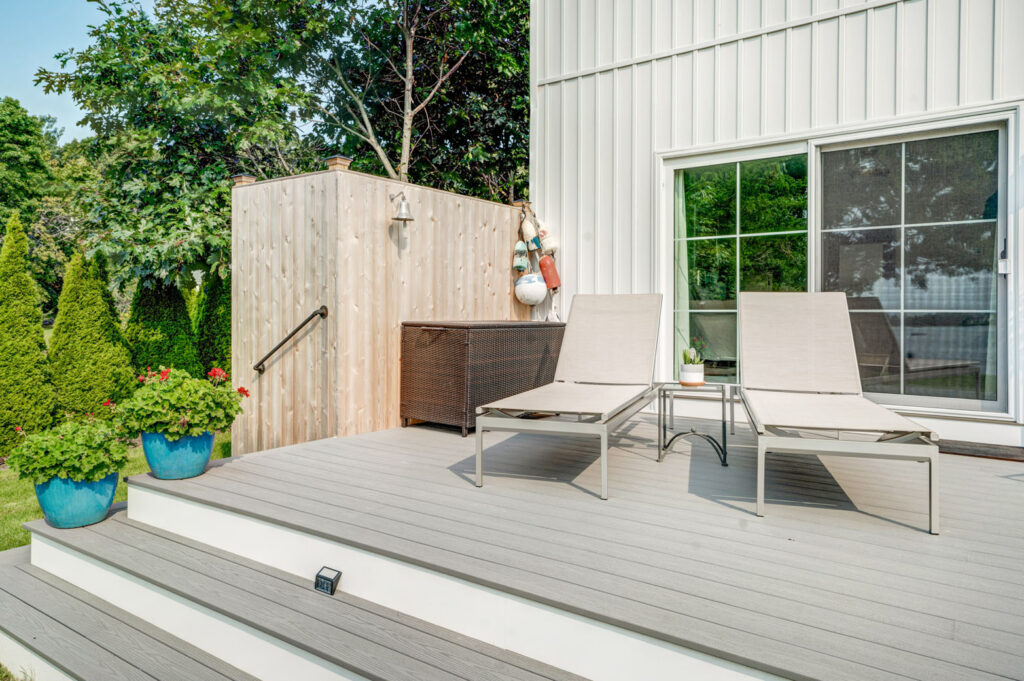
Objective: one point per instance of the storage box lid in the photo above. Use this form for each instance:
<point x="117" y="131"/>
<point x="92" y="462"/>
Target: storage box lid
<point x="484" y="325"/>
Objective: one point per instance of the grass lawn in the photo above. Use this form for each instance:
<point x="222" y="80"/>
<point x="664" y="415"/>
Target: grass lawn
<point x="18" y="499"/>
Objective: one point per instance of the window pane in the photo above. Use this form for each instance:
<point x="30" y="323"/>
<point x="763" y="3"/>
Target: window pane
<point x="950" y="179"/>
<point x="712" y="273"/>
<point x="877" y="339"/>
<point x="951" y="267"/>
<point x="951" y="355"/>
<point x="710" y="200"/>
<point x="773" y="194"/>
<point x="864" y="263"/>
<point x="773" y="263"/>
<point x="716" y="331"/>
<point x="861" y="187"/>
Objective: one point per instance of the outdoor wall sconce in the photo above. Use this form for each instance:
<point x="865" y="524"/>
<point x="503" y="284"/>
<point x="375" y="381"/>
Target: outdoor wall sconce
<point x="403" y="214"/>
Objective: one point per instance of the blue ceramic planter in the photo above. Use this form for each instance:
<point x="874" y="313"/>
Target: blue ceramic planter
<point x="67" y="503"/>
<point x="185" y="457"/>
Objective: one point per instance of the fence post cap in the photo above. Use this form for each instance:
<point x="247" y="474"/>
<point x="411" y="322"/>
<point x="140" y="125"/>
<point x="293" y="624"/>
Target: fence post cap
<point x="243" y="179"/>
<point x="338" y="162"/>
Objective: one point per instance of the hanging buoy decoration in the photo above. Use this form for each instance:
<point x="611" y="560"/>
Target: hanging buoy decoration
<point x="548" y="243"/>
<point x="530" y="234"/>
<point x="549" y="272"/>
<point x="520" y="259"/>
<point x="530" y="289"/>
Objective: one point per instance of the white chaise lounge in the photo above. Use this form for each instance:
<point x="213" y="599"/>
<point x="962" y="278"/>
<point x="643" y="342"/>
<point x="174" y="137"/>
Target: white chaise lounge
<point x="802" y="392"/>
<point x="604" y="376"/>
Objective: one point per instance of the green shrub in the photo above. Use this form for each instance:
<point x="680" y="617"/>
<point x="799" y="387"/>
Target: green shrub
<point x="159" y="332"/>
<point x="89" y="360"/>
<point x="27" y="398"/>
<point x="213" y="323"/>
<point x="84" y="451"/>
<point x="100" y="272"/>
<point x="175" y="404"/>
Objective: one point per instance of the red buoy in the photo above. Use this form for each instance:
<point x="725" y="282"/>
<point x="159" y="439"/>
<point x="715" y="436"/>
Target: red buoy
<point x="548" y="271"/>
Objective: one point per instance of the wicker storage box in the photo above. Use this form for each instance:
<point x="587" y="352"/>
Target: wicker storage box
<point x="451" y="368"/>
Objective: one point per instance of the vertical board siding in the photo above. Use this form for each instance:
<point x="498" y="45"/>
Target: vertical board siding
<point x="327" y="239"/>
<point x="616" y="81"/>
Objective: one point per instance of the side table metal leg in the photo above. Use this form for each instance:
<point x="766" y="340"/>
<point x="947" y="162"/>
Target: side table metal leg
<point x="732" y="410"/>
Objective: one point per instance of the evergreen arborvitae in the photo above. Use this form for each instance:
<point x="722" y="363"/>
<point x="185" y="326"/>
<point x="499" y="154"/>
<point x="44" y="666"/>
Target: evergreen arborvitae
<point x="159" y="331"/>
<point x="27" y="397"/>
<point x="213" y="323"/>
<point x="100" y="272"/>
<point x="90" y="362"/>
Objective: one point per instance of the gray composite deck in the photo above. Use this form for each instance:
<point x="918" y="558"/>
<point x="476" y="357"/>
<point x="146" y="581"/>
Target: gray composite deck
<point x="839" y="581"/>
<point x="349" y="632"/>
<point x="88" y="639"/>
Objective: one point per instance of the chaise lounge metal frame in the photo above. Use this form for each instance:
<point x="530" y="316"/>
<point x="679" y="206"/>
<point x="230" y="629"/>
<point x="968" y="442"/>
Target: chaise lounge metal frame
<point x="604" y="376"/>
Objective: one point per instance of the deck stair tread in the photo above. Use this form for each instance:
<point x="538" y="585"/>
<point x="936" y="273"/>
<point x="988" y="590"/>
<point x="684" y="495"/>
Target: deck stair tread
<point x="350" y="632"/>
<point x="815" y="590"/>
<point x="89" y="639"/>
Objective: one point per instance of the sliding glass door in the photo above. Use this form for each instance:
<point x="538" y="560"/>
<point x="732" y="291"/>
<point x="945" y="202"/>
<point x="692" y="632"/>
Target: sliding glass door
<point x="912" y="231"/>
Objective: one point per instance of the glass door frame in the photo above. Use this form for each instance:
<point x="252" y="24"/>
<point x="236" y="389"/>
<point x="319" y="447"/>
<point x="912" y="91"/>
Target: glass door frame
<point x="1007" y="363"/>
<point x="1007" y="114"/>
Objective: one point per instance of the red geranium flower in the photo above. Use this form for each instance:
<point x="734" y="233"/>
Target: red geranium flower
<point x="242" y="391"/>
<point x="142" y="379"/>
<point x="108" y="403"/>
<point x="164" y="374"/>
<point x="18" y="428"/>
<point x="217" y="374"/>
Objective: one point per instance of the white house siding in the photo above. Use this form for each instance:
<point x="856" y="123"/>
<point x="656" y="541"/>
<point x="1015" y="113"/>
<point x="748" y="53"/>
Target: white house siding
<point x="615" y="82"/>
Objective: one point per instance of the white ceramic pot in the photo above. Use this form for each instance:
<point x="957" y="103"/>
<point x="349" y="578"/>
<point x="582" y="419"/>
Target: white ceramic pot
<point x="691" y="374"/>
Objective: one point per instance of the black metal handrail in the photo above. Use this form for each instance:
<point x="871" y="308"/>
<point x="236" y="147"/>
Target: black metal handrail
<point x="319" y="312"/>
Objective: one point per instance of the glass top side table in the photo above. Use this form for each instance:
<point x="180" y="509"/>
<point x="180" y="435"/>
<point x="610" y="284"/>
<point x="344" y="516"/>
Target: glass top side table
<point x="667" y="434"/>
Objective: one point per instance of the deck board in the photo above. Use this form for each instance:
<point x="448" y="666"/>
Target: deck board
<point x="840" y="580"/>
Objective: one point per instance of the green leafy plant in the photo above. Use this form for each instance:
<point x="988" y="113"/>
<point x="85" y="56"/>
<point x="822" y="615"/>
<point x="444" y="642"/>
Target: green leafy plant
<point x="25" y="381"/>
<point x="84" y="451"/>
<point x="174" y="403"/>
<point x="691" y="356"/>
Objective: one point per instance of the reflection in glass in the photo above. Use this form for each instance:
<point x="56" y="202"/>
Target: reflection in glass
<point x="861" y="187"/>
<point x="711" y="278"/>
<point x="953" y="178"/>
<point x="951" y="267"/>
<point x="773" y="263"/>
<point x="773" y="194"/>
<point x="951" y="355"/>
<point x="864" y="263"/>
<point x="710" y="200"/>
<point x="716" y="332"/>
<point x="877" y="338"/>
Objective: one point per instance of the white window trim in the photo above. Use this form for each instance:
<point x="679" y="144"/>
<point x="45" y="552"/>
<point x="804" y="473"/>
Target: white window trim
<point x="1007" y="114"/>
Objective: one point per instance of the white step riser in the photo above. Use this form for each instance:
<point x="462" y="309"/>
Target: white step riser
<point x="244" y="647"/>
<point x="23" y="662"/>
<point x="584" y="646"/>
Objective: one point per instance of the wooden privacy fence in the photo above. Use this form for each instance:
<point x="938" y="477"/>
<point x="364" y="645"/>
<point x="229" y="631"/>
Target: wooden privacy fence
<point x="328" y="238"/>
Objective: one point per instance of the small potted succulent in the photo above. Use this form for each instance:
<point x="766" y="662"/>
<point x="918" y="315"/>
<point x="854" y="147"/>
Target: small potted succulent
<point x="177" y="416"/>
<point x="74" y="467"/>
<point x="691" y="371"/>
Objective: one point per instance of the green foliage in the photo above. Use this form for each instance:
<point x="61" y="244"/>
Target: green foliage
<point x="213" y="323"/>
<point x="175" y="404"/>
<point x="173" y="121"/>
<point x="101" y="273"/>
<point x="84" y="451"/>
<point x="25" y="383"/>
<point x="691" y="356"/>
<point x="25" y="174"/>
<point x="159" y="331"/>
<point x="89" y="360"/>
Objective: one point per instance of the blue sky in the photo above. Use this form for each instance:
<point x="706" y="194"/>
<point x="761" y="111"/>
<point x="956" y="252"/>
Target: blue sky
<point x="31" y="32"/>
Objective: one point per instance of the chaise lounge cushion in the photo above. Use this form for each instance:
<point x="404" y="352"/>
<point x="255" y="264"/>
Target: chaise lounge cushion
<point x="572" y="398"/>
<point x="818" y="411"/>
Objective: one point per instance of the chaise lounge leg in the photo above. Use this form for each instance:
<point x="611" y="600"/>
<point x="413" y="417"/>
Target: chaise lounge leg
<point x="760" y="477"/>
<point x="933" y="494"/>
<point x="604" y="464"/>
<point x="479" y="456"/>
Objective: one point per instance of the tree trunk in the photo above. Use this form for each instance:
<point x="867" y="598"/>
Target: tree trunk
<point x="407" y="114"/>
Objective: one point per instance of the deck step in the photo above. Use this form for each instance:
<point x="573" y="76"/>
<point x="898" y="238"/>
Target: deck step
<point x="71" y="634"/>
<point x="268" y="623"/>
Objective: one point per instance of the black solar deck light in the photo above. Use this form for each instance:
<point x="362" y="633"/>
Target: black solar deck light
<point x="327" y="580"/>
